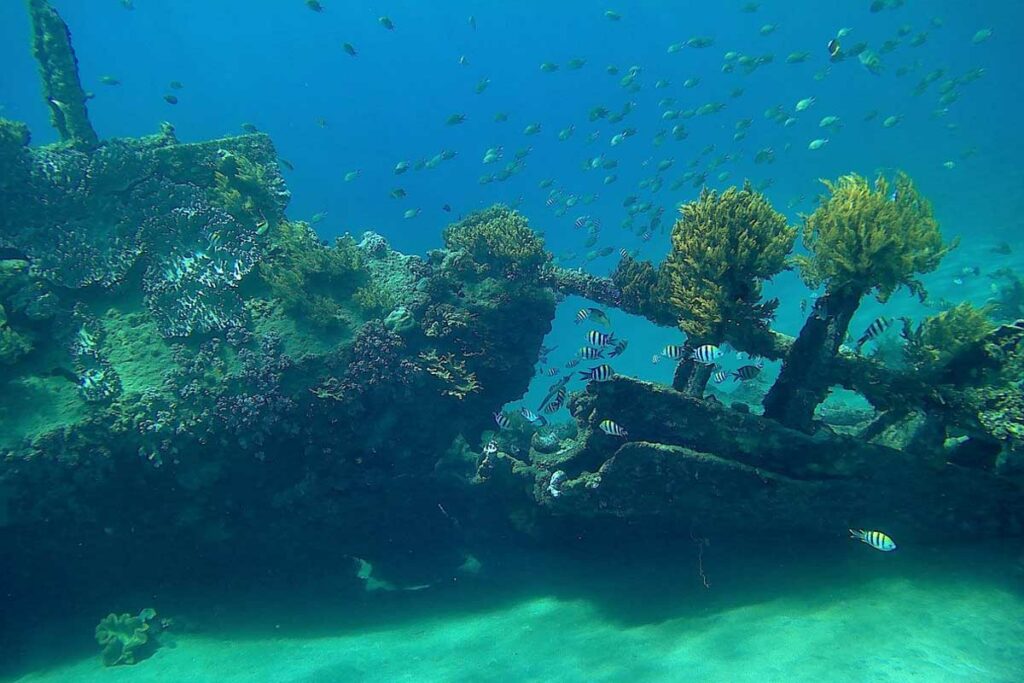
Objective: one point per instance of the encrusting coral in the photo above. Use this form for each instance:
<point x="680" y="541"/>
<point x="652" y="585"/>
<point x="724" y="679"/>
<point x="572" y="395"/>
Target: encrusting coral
<point x="499" y="242"/>
<point x="862" y="237"/>
<point x="724" y="246"/>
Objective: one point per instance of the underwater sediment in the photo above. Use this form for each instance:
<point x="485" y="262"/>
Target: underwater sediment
<point x="188" y="374"/>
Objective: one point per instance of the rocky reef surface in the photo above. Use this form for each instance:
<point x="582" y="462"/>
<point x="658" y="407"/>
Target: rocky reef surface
<point x="190" y="377"/>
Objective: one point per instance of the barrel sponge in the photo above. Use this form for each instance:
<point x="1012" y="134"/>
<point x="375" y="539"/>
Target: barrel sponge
<point x="724" y="246"/>
<point x="865" y="237"/>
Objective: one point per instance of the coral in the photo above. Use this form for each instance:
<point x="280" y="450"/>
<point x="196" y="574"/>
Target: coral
<point x="13" y="345"/>
<point x="58" y="69"/>
<point x="246" y="191"/>
<point x="126" y="639"/>
<point x="15" y="161"/>
<point x="642" y="288"/>
<point x="723" y="247"/>
<point x="400" y="320"/>
<point x="939" y="338"/>
<point x="499" y="242"/>
<point x="310" y="279"/>
<point x="458" y="382"/>
<point x="374" y="300"/>
<point x="376" y="362"/>
<point x="863" y="237"/>
<point x="1008" y="302"/>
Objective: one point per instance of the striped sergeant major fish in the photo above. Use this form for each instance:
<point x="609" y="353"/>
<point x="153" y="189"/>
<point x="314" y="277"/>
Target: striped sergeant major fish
<point x="706" y="354"/>
<point x="619" y="348"/>
<point x="598" y="373"/>
<point x="590" y="353"/>
<point x="747" y="372"/>
<point x="595" y="338"/>
<point x="557" y="403"/>
<point x="719" y="377"/>
<point x="880" y="325"/>
<point x="674" y="351"/>
<point x="532" y="417"/>
<point x="612" y="428"/>
<point x="875" y="539"/>
<point x="501" y="419"/>
<point x="598" y="316"/>
<point x="572" y="362"/>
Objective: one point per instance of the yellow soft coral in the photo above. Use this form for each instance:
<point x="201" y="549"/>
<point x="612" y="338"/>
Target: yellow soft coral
<point x="940" y="337"/>
<point x="723" y="247"/>
<point x="864" y="237"/>
<point x="499" y="241"/>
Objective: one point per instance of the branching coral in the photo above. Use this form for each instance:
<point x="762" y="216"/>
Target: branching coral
<point x="457" y="381"/>
<point x="863" y="237"/>
<point x="309" y="278"/>
<point x="939" y="338"/>
<point x="723" y="247"/>
<point x="500" y="242"/>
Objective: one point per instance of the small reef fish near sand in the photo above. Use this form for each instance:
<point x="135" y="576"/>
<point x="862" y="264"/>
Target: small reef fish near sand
<point x="875" y="539"/>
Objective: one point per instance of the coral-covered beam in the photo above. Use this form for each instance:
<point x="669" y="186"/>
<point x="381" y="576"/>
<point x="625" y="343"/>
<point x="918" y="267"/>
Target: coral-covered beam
<point x="878" y="384"/>
<point x="58" y="68"/>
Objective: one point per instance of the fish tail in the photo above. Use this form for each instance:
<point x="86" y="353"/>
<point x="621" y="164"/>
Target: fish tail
<point x="857" y="533"/>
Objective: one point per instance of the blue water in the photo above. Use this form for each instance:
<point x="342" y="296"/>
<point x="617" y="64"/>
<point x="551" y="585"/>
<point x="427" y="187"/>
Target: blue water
<point x="280" y="66"/>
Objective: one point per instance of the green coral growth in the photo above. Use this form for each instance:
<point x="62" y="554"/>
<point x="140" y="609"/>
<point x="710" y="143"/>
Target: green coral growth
<point x="13" y="345"/>
<point x="865" y="237"/>
<point x="15" y="161"/>
<point x="499" y="241"/>
<point x="939" y="338"/>
<point x="310" y="279"/>
<point x="240" y="187"/>
<point x="126" y="639"/>
<point x="644" y="289"/>
<point x="374" y="300"/>
<point x="724" y="246"/>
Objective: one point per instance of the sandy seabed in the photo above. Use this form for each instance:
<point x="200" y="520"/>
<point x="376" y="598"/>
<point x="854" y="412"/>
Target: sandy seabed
<point x="939" y="616"/>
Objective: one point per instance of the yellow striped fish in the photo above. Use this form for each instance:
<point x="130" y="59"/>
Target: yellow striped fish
<point x="875" y="539"/>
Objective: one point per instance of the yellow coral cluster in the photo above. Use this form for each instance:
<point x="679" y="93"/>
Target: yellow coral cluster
<point x="499" y="240"/>
<point x="457" y="380"/>
<point x="240" y="188"/>
<point x="940" y="337"/>
<point x="723" y="247"/>
<point x="863" y="237"/>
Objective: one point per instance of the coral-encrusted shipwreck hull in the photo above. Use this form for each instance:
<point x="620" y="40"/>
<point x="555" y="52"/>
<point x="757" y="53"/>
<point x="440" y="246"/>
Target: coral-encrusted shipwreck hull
<point x="704" y="464"/>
